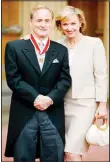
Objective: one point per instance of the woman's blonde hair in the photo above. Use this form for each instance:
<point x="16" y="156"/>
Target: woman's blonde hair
<point x="67" y="12"/>
<point x="40" y="7"/>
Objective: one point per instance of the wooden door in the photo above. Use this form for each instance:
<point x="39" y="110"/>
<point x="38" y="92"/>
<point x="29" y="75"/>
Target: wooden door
<point x="10" y="17"/>
<point x="90" y="9"/>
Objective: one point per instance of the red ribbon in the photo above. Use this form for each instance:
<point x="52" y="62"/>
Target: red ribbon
<point x="37" y="47"/>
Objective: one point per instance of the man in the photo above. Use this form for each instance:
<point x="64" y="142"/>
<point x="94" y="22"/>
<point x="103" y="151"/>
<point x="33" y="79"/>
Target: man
<point x="39" y="79"/>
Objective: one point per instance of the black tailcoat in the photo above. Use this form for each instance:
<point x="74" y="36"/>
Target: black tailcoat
<point x="27" y="81"/>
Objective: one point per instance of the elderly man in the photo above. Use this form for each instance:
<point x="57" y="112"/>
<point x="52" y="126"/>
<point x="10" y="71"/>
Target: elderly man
<point x="37" y="72"/>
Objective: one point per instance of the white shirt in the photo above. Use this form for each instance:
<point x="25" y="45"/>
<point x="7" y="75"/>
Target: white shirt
<point x="41" y="58"/>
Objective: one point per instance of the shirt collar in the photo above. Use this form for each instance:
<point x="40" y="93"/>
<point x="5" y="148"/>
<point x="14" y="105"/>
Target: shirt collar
<point x="44" y="41"/>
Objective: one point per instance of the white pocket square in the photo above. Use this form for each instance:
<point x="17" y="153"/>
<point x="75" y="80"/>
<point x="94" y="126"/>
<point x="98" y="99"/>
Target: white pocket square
<point x="55" y="61"/>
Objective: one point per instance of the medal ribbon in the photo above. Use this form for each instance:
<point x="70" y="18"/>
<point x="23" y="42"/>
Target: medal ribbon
<point x="37" y="47"/>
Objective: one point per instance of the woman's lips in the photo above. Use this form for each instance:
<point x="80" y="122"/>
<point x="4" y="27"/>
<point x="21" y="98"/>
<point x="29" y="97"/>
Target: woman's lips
<point x="70" y="32"/>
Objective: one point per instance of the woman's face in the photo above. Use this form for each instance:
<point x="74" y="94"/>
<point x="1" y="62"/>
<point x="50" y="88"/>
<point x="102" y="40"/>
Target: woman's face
<point x="71" y="26"/>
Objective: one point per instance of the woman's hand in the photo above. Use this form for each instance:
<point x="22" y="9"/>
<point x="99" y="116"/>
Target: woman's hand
<point x="101" y="111"/>
<point x="26" y="37"/>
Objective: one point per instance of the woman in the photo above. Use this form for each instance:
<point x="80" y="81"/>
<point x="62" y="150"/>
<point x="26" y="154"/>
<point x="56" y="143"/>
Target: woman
<point x="88" y="95"/>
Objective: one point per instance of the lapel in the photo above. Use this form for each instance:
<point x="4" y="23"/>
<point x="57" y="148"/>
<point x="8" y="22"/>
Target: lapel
<point x="50" y="56"/>
<point x="29" y="52"/>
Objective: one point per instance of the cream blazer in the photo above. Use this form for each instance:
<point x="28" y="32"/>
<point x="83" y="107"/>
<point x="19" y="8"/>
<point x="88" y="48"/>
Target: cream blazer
<point x="88" y="69"/>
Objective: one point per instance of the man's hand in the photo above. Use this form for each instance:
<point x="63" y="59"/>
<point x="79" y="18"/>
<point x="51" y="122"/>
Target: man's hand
<point x="26" y="37"/>
<point x="42" y="102"/>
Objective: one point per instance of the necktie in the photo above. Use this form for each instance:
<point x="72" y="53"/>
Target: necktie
<point x="41" y="46"/>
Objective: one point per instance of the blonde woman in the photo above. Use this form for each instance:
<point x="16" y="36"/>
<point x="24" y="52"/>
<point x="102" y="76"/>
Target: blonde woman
<point x="88" y="95"/>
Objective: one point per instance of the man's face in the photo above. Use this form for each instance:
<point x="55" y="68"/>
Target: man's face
<point x="41" y="23"/>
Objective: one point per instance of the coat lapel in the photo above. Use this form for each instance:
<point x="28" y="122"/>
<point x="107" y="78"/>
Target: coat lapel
<point x="29" y="52"/>
<point x="50" y="56"/>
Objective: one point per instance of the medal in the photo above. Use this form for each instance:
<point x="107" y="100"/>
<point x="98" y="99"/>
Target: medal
<point x="41" y="60"/>
<point x="37" y="47"/>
